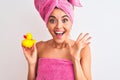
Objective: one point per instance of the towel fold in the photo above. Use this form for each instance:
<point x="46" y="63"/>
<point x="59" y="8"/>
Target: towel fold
<point x="45" y="7"/>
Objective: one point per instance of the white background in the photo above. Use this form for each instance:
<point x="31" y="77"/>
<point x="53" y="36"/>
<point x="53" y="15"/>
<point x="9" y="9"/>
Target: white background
<point x="101" y="18"/>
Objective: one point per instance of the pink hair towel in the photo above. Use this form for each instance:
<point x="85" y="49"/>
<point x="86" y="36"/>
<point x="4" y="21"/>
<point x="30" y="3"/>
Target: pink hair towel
<point x="45" y="7"/>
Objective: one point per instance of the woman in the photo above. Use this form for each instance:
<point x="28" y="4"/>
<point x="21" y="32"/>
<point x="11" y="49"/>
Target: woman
<point x="59" y="58"/>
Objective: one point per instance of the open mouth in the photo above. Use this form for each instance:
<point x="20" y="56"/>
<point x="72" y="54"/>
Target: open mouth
<point x="59" y="33"/>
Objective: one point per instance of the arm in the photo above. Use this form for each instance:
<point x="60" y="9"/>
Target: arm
<point x="31" y="72"/>
<point x="31" y="57"/>
<point x="81" y="57"/>
<point x="82" y="68"/>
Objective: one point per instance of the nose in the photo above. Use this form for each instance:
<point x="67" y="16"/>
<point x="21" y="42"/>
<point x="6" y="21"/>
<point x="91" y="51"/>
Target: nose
<point x="59" y="24"/>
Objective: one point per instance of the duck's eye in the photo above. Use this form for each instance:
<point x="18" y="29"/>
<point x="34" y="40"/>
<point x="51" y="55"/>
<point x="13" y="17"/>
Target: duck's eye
<point x="64" y="20"/>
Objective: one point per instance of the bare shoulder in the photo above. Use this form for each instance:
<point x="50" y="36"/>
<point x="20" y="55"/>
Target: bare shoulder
<point x="42" y="44"/>
<point x="39" y="43"/>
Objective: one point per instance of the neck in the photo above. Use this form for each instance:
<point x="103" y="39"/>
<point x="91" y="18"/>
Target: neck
<point x="58" y="45"/>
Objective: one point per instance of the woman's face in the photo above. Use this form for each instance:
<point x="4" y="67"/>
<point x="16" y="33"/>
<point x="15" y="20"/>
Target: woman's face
<point x="59" y="25"/>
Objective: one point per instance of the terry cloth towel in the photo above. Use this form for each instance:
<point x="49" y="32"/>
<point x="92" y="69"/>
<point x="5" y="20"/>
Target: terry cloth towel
<point x="45" y="7"/>
<point x="55" y="69"/>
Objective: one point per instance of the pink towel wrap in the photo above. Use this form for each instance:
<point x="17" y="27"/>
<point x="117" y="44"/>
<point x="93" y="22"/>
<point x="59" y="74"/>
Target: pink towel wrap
<point x="45" y="7"/>
<point x="55" y="69"/>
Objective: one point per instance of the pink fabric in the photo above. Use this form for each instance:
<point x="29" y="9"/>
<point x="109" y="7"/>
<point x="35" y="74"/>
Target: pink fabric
<point x="45" y="7"/>
<point x="54" y="69"/>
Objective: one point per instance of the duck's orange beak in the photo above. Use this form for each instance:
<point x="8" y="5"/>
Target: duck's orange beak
<point x="25" y="36"/>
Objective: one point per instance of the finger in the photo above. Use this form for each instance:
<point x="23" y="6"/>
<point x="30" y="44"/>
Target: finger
<point x="79" y="38"/>
<point x="34" y="50"/>
<point x="83" y="39"/>
<point x="85" y="36"/>
<point x="24" y="49"/>
<point x="88" y="39"/>
<point x="25" y="52"/>
<point x="88" y="43"/>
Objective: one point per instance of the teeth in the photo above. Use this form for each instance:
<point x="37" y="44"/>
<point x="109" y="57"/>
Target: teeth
<point x="59" y="32"/>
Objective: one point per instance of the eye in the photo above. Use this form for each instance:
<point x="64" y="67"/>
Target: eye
<point x="52" y="20"/>
<point x="64" y="20"/>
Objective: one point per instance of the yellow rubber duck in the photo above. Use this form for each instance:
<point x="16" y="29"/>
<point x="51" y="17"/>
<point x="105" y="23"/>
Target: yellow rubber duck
<point x="28" y="42"/>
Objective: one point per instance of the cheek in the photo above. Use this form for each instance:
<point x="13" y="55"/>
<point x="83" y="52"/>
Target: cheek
<point x="50" y="26"/>
<point x="68" y="27"/>
<point x="68" y="31"/>
<point x="50" y="29"/>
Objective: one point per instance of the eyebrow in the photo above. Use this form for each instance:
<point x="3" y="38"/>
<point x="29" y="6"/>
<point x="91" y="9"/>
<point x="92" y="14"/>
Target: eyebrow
<point x="64" y="16"/>
<point x="52" y="16"/>
<point x="55" y="17"/>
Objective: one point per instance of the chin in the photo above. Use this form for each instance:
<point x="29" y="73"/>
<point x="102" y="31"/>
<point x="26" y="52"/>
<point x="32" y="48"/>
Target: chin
<point x="59" y="41"/>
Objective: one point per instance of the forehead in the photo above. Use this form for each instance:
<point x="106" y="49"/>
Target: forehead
<point x="58" y="13"/>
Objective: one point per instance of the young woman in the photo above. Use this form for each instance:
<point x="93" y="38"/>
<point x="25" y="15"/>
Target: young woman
<point x="59" y="58"/>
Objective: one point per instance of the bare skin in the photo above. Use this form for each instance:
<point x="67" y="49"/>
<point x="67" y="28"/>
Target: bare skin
<point x="61" y="46"/>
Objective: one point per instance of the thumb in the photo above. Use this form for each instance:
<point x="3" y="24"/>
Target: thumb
<point x="35" y="50"/>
